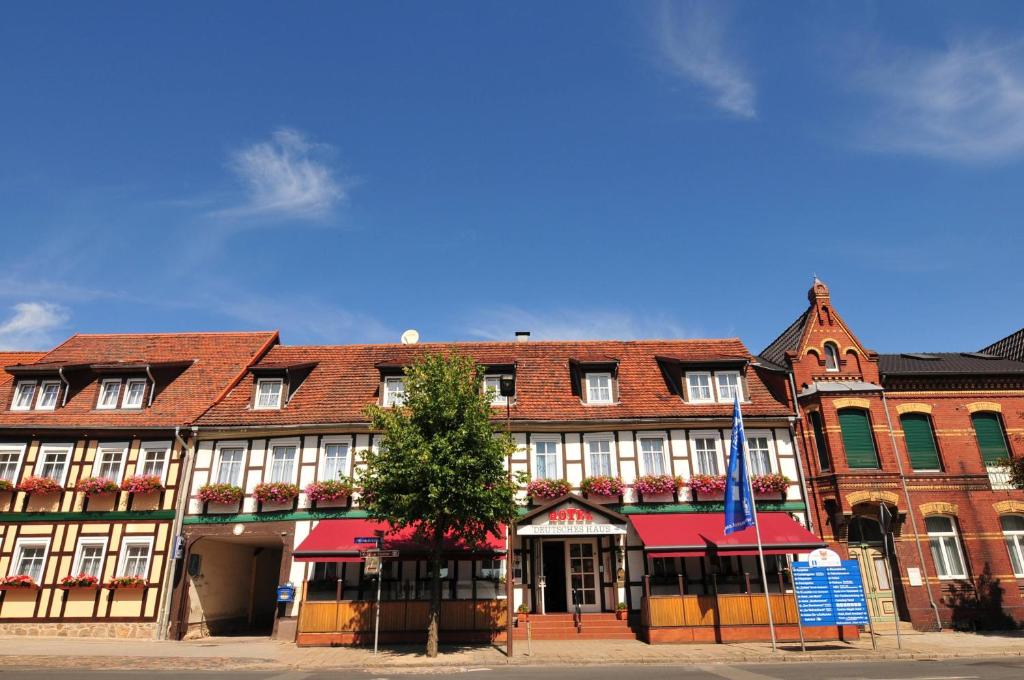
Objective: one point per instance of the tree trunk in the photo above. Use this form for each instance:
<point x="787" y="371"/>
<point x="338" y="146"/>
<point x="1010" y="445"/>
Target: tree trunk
<point x="433" y="619"/>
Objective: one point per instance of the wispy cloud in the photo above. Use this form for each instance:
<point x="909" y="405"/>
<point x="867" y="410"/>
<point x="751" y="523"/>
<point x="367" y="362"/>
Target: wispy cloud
<point x="964" y="103"/>
<point x="573" y="324"/>
<point x="693" y="44"/>
<point x="32" y="325"/>
<point x="286" y="176"/>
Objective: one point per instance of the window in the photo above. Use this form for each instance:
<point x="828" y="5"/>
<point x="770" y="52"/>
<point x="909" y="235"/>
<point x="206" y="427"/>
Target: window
<point x="229" y="466"/>
<point x="30" y="559"/>
<point x="53" y="462"/>
<point x="135" y="557"/>
<point x="760" y="455"/>
<point x="492" y="384"/>
<point x="282" y="464"/>
<point x="48" y="391"/>
<point x="335" y="463"/>
<point x="988" y="428"/>
<point x="133" y="393"/>
<point x="945" y="545"/>
<point x="600" y="451"/>
<point x="652" y="451"/>
<point x="268" y="393"/>
<point x="705" y="450"/>
<point x="831" y="357"/>
<point x="819" y="440"/>
<point x="664" y="568"/>
<point x="699" y="386"/>
<point x="490" y="569"/>
<point x="10" y="462"/>
<point x="394" y="391"/>
<point x="857" y="438"/>
<point x="920" y="438"/>
<point x="23" y="395"/>
<point x="728" y="386"/>
<point x="89" y="557"/>
<point x="110" y="390"/>
<point x="154" y="460"/>
<point x="545" y="459"/>
<point x="1013" y="531"/>
<point x="110" y="461"/>
<point x="599" y="388"/>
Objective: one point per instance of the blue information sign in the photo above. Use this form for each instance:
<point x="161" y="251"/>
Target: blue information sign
<point x="362" y="540"/>
<point x="830" y="596"/>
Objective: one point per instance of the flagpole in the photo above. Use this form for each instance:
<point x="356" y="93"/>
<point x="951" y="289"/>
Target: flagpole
<point x="760" y="548"/>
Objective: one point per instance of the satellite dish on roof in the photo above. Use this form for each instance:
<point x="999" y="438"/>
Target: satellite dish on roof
<point x="410" y="337"/>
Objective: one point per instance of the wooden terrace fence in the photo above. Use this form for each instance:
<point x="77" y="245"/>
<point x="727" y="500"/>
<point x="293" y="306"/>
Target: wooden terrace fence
<point x="400" y="616"/>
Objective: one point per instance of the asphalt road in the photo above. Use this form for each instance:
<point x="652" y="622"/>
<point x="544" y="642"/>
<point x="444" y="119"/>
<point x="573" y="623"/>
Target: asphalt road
<point x="1006" y="668"/>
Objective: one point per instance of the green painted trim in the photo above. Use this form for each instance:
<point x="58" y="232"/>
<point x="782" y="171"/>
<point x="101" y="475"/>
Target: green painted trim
<point x="284" y="516"/>
<point x="99" y="516"/>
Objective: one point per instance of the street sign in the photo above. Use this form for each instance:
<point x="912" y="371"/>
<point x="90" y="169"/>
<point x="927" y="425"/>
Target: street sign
<point x="830" y="596"/>
<point x="388" y="553"/>
<point x="363" y="540"/>
<point x="371" y="565"/>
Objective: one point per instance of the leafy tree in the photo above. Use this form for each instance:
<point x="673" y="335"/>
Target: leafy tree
<point x="1015" y="468"/>
<point x="442" y="463"/>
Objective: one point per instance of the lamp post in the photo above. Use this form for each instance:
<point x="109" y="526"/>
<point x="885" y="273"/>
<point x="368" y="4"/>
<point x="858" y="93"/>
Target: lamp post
<point x="507" y="389"/>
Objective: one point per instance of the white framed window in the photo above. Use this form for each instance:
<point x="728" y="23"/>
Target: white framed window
<point x="728" y="384"/>
<point x="47" y="399"/>
<point x="599" y="452"/>
<point x="30" y="558"/>
<point x="268" y="393"/>
<point x="282" y="461"/>
<point x="90" y="555"/>
<point x="229" y="464"/>
<point x="492" y="384"/>
<point x="135" y="556"/>
<point x="110" y="391"/>
<point x="53" y="461"/>
<point x="599" y="388"/>
<point x="705" y="453"/>
<point x="831" y="357"/>
<point x="546" y="464"/>
<point x="652" y="453"/>
<point x="334" y="459"/>
<point x="134" y="391"/>
<point x="24" y="393"/>
<point x="759" y="447"/>
<point x="110" y="461"/>
<point x="153" y="459"/>
<point x="698" y="387"/>
<point x="394" y="391"/>
<point x="11" y="456"/>
<point x="945" y="546"/>
<point x="1013" y="532"/>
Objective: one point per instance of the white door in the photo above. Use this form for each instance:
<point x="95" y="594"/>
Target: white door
<point x="583" y="576"/>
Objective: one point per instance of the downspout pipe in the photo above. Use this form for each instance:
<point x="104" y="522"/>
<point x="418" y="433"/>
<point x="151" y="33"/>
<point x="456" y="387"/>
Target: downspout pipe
<point x="152" y="389"/>
<point x="910" y="513"/>
<point x="799" y="456"/>
<point x="67" y="386"/>
<point x="183" y="488"/>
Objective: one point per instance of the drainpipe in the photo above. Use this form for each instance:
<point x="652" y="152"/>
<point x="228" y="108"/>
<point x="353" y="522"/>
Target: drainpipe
<point x="67" y="386"/>
<point x="152" y="389"/>
<point x="799" y="457"/>
<point x="910" y="512"/>
<point x="183" y="488"/>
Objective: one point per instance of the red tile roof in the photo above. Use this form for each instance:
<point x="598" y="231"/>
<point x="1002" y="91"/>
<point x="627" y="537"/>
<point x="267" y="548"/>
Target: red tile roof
<point x="8" y="358"/>
<point x="212" y="364"/>
<point x="346" y="378"/>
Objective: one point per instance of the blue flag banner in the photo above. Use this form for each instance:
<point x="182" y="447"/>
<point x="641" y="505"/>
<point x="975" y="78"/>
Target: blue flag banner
<point x="739" y="503"/>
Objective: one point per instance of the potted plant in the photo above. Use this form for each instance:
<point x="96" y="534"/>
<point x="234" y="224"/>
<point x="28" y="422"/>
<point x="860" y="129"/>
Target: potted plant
<point x="142" y="484"/>
<point x="771" y="483"/>
<point x="96" y="486"/>
<point x="602" y="485"/>
<point x="655" y="485"/>
<point x="221" y="494"/>
<point x="547" y="489"/>
<point x="524" y="613"/>
<point x="330" y="490"/>
<point x="621" y="611"/>
<point x="39" y="486"/>
<point x="275" y="492"/>
<point x="706" y="484"/>
<point x="82" y="581"/>
<point x="18" y="582"/>
<point x="126" y="583"/>
<point x="6" y="486"/>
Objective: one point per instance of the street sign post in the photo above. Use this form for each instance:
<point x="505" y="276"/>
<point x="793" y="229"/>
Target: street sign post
<point x="372" y="567"/>
<point x="830" y="592"/>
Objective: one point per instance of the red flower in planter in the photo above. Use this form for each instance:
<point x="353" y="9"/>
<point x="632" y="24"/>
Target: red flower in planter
<point x="330" y="490"/>
<point x="653" y="485"/>
<point x="224" y="494"/>
<point x="17" y="581"/>
<point x="79" y="581"/>
<point x="602" y="485"/>
<point x="120" y="582"/>
<point x="40" y="486"/>
<point x="140" y="484"/>
<point x="773" y="483"/>
<point x="548" y="489"/>
<point x="97" y="486"/>
<point x="275" y="492"/>
<point x="707" y="483"/>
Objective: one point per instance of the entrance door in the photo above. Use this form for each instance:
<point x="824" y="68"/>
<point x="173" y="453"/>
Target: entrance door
<point x="865" y="546"/>
<point x="553" y="556"/>
<point x="583" y="574"/>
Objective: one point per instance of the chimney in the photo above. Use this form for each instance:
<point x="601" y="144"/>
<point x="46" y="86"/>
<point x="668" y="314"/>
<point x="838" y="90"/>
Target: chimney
<point x="522" y="336"/>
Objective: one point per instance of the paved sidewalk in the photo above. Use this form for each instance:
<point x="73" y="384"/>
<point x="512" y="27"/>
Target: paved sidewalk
<point x="264" y="654"/>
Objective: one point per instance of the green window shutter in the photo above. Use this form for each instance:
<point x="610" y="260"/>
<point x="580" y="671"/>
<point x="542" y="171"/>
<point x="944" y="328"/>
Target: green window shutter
<point x="819" y="440"/>
<point x="857" y="439"/>
<point x="917" y="428"/>
<point x="991" y="439"/>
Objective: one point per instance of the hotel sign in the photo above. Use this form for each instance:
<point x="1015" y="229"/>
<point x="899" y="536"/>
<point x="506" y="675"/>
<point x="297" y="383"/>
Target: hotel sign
<point x="571" y="521"/>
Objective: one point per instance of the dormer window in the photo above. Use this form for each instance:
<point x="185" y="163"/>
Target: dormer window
<point x="23" y="395"/>
<point x="831" y="357"/>
<point x="492" y="385"/>
<point x="728" y="385"/>
<point x="134" y="393"/>
<point x="698" y="386"/>
<point x="394" y="391"/>
<point x="268" y="393"/>
<point x="599" y="388"/>
<point x="48" y="391"/>
<point x="110" y="390"/>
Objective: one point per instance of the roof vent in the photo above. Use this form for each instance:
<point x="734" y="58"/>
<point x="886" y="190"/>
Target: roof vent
<point x="522" y="336"/>
<point x="921" y="356"/>
<point x="410" y="337"/>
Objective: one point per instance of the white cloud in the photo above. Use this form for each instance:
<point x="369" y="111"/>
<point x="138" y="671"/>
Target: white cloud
<point x="964" y="103"/>
<point x="31" y="325"/>
<point x="286" y="176"/>
<point x="693" y="45"/>
<point x="572" y="324"/>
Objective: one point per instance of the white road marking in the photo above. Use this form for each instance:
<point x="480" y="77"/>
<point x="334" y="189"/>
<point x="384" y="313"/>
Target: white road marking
<point x="734" y="673"/>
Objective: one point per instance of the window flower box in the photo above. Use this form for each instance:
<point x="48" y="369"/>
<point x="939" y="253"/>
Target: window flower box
<point x="6" y="486"/>
<point x="655" y="485"/>
<point x="602" y="485"/>
<point x="221" y="494"/>
<point x="547" y="489"/>
<point x="707" y="484"/>
<point x="97" y="486"/>
<point x="275" y="492"/>
<point x="126" y="583"/>
<point x="39" y="486"/>
<point x="330" y="490"/>
<point x="142" y="484"/>
<point x="18" y="582"/>
<point x="771" y="483"/>
<point x="79" y="582"/>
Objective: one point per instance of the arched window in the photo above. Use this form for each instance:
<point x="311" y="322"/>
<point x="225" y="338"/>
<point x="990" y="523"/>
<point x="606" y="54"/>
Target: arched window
<point x="988" y="428"/>
<point x="858" y="440"/>
<point x="1013" y="531"/>
<point x="831" y="357"/>
<point x="819" y="440"/>
<point x="944" y="541"/>
<point x="920" y="439"/>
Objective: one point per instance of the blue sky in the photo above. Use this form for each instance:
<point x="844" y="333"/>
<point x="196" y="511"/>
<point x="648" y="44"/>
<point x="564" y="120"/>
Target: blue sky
<point x="344" y="171"/>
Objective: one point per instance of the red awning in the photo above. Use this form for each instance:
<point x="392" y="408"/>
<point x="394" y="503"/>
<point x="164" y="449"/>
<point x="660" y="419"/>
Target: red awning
<point x="334" y="540"/>
<point x="694" y="535"/>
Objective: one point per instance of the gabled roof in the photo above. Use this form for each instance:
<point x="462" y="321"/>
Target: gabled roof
<point x="788" y="341"/>
<point x="347" y="378"/>
<point x="947" y="363"/>
<point x="192" y="371"/>
<point x="1011" y="347"/>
